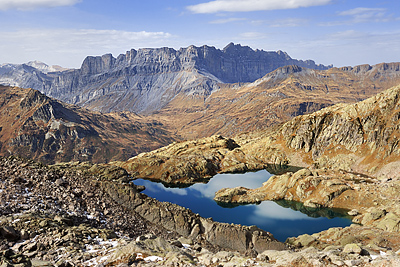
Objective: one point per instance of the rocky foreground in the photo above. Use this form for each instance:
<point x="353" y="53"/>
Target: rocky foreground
<point x="79" y="214"/>
<point x="88" y="215"/>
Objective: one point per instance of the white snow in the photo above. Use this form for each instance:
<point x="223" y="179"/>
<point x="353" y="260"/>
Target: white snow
<point x="381" y="254"/>
<point x="186" y="245"/>
<point x="109" y="242"/>
<point x="153" y="258"/>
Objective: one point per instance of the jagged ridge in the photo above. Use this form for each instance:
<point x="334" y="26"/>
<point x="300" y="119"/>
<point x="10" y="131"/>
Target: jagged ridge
<point x="147" y="79"/>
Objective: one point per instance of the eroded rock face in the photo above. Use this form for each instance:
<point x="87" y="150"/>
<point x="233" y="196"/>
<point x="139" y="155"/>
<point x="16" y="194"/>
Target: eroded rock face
<point x="368" y="130"/>
<point x="150" y="77"/>
<point x="361" y="138"/>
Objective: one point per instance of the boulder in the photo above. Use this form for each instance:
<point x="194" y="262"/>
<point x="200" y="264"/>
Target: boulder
<point x="301" y="241"/>
<point x="9" y="233"/>
<point x="352" y="249"/>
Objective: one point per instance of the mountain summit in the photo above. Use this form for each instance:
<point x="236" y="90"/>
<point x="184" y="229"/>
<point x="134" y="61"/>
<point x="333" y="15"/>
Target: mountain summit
<point x="145" y="80"/>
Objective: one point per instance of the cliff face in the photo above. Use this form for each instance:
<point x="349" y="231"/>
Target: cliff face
<point x="35" y="126"/>
<point x="147" y="79"/>
<point x="367" y="131"/>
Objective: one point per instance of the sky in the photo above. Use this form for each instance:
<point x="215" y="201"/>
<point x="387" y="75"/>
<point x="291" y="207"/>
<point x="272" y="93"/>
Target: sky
<point x="64" y="32"/>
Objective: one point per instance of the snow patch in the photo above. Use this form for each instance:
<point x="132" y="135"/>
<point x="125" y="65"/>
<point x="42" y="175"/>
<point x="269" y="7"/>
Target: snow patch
<point x="153" y="259"/>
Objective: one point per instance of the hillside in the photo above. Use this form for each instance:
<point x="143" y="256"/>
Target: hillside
<point x="37" y="127"/>
<point x="361" y="137"/>
<point x="275" y="98"/>
<point x="350" y="157"/>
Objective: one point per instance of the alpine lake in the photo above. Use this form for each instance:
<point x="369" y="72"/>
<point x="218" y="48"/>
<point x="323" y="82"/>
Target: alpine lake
<point x="281" y="218"/>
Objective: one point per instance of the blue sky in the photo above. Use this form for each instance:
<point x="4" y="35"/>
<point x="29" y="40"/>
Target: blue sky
<point x="64" y="32"/>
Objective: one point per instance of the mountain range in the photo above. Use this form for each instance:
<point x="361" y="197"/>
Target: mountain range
<point x="145" y="80"/>
<point x="181" y="94"/>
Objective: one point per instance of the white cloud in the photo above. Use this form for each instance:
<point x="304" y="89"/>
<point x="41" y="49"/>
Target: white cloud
<point x="363" y="14"/>
<point x="32" y="4"/>
<point x="252" y="35"/>
<point x="227" y="20"/>
<point x="68" y="47"/>
<point x="219" y="181"/>
<point x="287" y="22"/>
<point x="158" y="187"/>
<point x="252" y="5"/>
<point x="348" y="48"/>
<point x="348" y="35"/>
<point x="269" y="209"/>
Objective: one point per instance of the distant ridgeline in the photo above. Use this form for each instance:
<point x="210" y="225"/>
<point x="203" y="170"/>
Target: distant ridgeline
<point x="145" y="80"/>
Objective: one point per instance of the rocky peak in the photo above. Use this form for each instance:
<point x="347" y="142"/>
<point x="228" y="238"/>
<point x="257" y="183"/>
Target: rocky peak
<point x="43" y="67"/>
<point x="146" y="80"/>
<point x="394" y="66"/>
<point x="375" y="70"/>
<point x="32" y="98"/>
<point x="343" y="135"/>
<point x="38" y="127"/>
<point x="290" y="69"/>
<point x="283" y="54"/>
<point x="126" y="58"/>
<point x="231" y="48"/>
<point x="96" y="65"/>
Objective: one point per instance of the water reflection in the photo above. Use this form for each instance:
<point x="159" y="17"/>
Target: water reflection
<point x="224" y="180"/>
<point x="159" y="187"/>
<point x="283" y="219"/>
<point x="270" y="209"/>
<point x="219" y="181"/>
<point x="314" y="212"/>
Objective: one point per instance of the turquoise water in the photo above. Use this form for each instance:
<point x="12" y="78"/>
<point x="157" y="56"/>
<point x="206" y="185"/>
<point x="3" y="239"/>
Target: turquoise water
<point x="282" y="218"/>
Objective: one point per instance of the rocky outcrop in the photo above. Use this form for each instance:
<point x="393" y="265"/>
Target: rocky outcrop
<point x="145" y="80"/>
<point x="360" y="138"/>
<point x="189" y="162"/>
<point x="372" y="202"/>
<point x="366" y="131"/>
<point x="42" y="128"/>
<point x="63" y="210"/>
